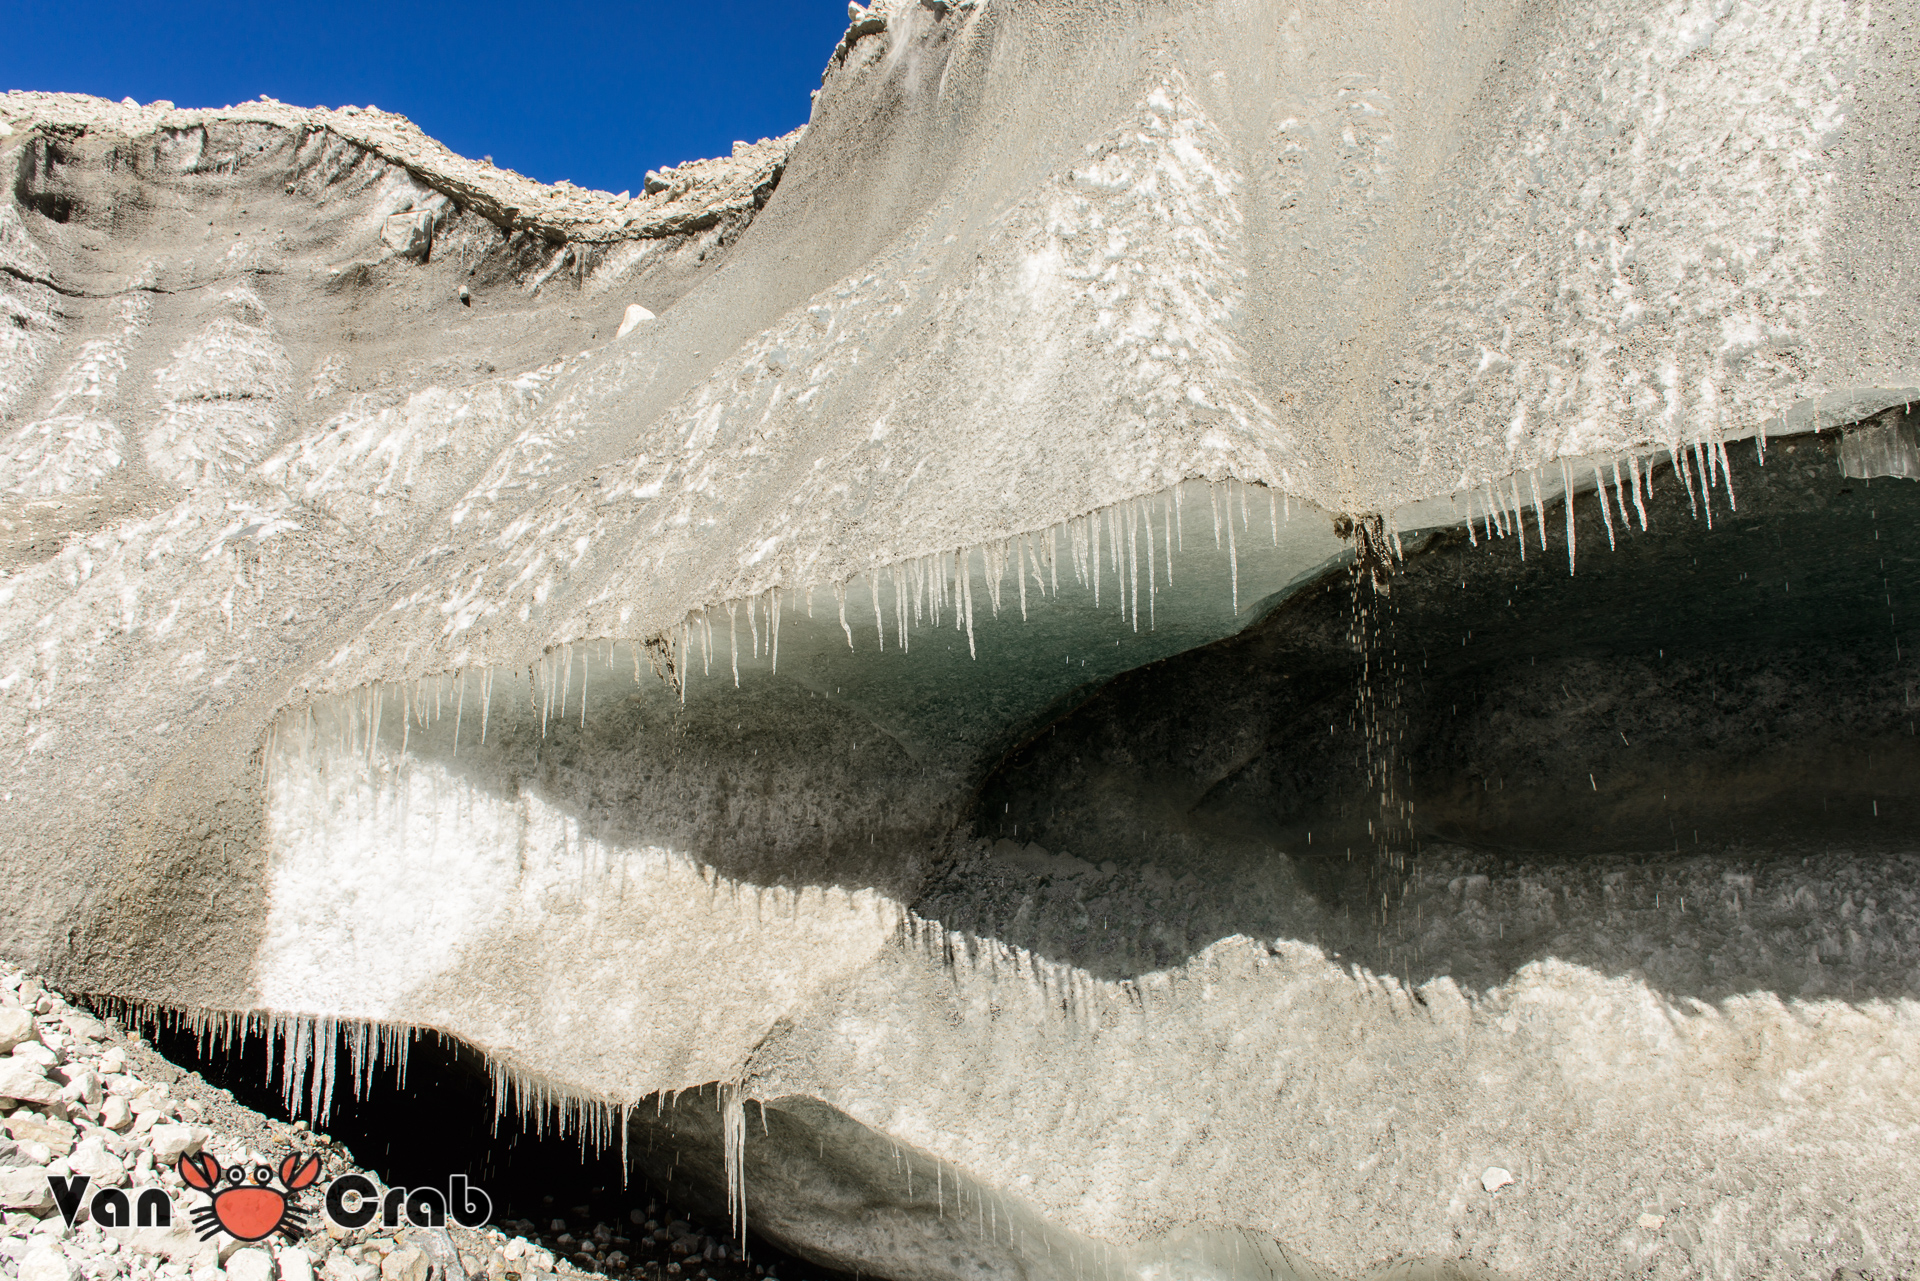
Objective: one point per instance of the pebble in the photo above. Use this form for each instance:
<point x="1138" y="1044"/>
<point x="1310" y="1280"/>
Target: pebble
<point x="1495" y="1178"/>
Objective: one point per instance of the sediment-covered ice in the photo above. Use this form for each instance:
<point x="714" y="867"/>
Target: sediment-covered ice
<point x="394" y="633"/>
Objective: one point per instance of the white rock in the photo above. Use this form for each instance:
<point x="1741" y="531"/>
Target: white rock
<point x="409" y="235"/>
<point x="91" y="1158"/>
<point x="38" y="1053"/>
<point x="25" y="1188"/>
<point x="295" y="1264"/>
<point x="171" y="1142"/>
<point x="406" y="1264"/>
<point x="47" y="1263"/>
<point x="250" y="1263"/>
<point x="115" y="1114"/>
<point x="83" y="1084"/>
<point x="114" y="1060"/>
<point x="26" y="1081"/>
<point x="636" y="316"/>
<point x="177" y="1243"/>
<point x="16" y="1026"/>
<point x="340" y="1268"/>
<point x="1652" y="1222"/>
<point x="1494" y="1178"/>
<point x="86" y="1027"/>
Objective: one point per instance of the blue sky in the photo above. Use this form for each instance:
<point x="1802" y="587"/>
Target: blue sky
<point x="593" y="93"/>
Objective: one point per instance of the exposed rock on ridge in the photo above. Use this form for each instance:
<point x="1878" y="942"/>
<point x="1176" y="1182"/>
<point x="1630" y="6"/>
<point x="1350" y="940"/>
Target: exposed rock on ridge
<point x="690" y="197"/>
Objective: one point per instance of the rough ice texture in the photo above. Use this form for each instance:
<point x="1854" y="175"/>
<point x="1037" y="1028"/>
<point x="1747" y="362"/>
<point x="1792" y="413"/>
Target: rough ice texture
<point x="1027" y="264"/>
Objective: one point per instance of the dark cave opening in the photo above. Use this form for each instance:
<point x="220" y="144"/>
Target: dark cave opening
<point x="440" y="1120"/>
<point x="1722" y="698"/>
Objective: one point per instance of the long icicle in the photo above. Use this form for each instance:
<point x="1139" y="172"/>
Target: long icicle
<point x="1519" y="515"/>
<point x="1606" y="512"/>
<point x="1566" y="478"/>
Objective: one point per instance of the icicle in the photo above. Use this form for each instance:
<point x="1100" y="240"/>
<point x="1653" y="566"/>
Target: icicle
<point x="1620" y="499"/>
<point x="966" y="595"/>
<point x="753" y="622"/>
<point x="1020" y="572"/>
<point x="1233" y="565"/>
<point x="1147" y="521"/>
<point x="1633" y="475"/>
<point x="733" y="639"/>
<point x="706" y="639"/>
<point x="1566" y="478"/>
<point x="1519" y="518"/>
<point x="879" y="619"/>
<point x="1133" y="559"/>
<point x="1606" y="512"/>
<point x="458" y="709"/>
<point x="993" y="564"/>
<point x="1726" y="471"/>
<point x="1539" y="506"/>
<point x="733" y="1126"/>
<point x="1473" y="538"/>
<point x="899" y="576"/>
<point x="840" y="598"/>
<point x="486" y="702"/>
<point x="1679" y="456"/>
<point x="1093" y="534"/>
<point x="586" y="665"/>
<point x="1213" y="498"/>
<point x="773" y="627"/>
<point x="1705" y="481"/>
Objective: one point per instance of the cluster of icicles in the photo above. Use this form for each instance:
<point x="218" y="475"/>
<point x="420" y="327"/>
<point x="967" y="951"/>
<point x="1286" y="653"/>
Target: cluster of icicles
<point x="1129" y="544"/>
<point x="303" y="1052"/>
<point x="1704" y="462"/>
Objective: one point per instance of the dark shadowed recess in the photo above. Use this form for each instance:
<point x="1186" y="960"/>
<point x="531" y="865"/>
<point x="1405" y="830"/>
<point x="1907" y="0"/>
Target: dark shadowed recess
<point x="441" y="1121"/>
<point x="1491" y="760"/>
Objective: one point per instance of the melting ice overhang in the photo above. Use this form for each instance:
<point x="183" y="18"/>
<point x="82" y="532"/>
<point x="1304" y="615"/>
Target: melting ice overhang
<point x="953" y="655"/>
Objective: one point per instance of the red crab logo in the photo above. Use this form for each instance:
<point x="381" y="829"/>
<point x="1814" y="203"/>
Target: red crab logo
<point x="248" y="1207"/>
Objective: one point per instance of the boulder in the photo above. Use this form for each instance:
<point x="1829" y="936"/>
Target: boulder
<point x="16" y="1026"/>
<point x="171" y="1142"/>
<point x="47" y="1263"/>
<point x="29" y="1127"/>
<point x="409" y="235"/>
<point x="25" y="1188"/>
<point x="408" y="1263"/>
<point x="250" y="1263"/>
<point x="26" y="1081"/>
<point x="91" y="1158"/>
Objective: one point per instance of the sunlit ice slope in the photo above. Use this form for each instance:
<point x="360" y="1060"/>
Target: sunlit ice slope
<point x="401" y="630"/>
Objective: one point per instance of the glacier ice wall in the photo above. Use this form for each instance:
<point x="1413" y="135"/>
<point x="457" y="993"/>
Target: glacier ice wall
<point x="388" y="638"/>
